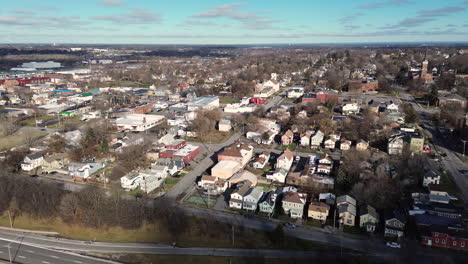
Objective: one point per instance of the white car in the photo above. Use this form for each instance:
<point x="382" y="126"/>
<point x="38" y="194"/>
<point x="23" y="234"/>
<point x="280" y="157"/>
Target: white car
<point x="393" y="245"/>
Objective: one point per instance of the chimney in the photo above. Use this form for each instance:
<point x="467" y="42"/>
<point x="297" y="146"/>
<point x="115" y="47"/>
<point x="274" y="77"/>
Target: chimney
<point x="144" y="120"/>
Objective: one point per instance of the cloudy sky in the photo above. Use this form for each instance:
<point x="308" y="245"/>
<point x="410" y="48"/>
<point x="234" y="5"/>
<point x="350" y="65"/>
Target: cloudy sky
<point x="231" y="22"/>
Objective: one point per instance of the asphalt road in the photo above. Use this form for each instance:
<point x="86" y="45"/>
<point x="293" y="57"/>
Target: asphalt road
<point x="188" y="181"/>
<point x="33" y="254"/>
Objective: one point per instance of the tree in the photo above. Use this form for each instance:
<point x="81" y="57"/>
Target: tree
<point x="410" y="114"/>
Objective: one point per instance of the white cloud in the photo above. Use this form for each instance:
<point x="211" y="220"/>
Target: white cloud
<point x="249" y="20"/>
<point x="137" y="15"/>
<point x="111" y="3"/>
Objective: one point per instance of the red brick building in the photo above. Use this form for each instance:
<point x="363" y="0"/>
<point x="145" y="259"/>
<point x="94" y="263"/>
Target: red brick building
<point x="143" y="109"/>
<point x="24" y="81"/>
<point x="180" y="149"/>
<point x="455" y="241"/>
<point x="362" y="86"/>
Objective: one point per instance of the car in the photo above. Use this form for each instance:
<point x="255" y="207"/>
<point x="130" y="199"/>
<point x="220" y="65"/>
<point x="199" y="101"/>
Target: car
<point x="34" y="176"/>
<point x="393" y="245"/>
<point x="443" y="154"/>
<point x="290" y="225"/>
<point x="298" y="158"/>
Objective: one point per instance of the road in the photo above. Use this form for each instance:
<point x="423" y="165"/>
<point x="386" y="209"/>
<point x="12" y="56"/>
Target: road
<point x="33" y="254"/>
<point x="188" y="181"/>
<point x="451" y="162"/>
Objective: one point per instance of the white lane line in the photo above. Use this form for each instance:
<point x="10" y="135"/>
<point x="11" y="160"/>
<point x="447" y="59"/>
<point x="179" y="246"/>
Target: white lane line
<point x="54" y="256"/>
<point x="29" y="251"/>
<point x="45" y="262"/>
<point x="23" y="257"/>
<point x="1" y="252"/>
<point x="77" y="261"/>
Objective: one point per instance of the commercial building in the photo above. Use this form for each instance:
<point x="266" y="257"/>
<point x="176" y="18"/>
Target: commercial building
<point x="138" y="122"/>
<point x="205" y="102"/>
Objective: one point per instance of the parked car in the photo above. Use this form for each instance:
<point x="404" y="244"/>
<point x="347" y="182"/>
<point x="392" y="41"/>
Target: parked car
<point x="289" y="225"/>
<point x="393" y="245"/>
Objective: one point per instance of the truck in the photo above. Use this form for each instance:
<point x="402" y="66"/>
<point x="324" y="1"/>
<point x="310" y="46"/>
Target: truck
<point x="254" y="100"/>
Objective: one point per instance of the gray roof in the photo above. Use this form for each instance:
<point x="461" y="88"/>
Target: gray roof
<point x="342" y="208"/>
<point x="367" y="209"/>
<point x="255" y="192"/>
<point x="346" y="199"/>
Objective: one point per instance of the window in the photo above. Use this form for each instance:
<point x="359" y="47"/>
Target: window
<point x="462" y="244"/>
<point x="437" y="240"/>
<point x="436" y="234"/>
<point x="443" y="241"/>
<point x="454" y="243"/>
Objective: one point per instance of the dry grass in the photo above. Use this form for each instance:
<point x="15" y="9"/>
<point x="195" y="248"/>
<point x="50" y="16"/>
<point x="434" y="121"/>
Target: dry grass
<point x="20" y="137"/>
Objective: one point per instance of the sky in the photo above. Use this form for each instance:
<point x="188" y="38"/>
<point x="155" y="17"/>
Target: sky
<point x="232" y="22"/>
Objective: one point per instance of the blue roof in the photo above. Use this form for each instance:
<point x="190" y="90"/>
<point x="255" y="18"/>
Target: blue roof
<point x="62" y="91"/>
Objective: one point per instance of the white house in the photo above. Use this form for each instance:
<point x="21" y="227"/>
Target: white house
<point x="279" y="175"/>
<point x="295" y="92"/>
<point x="330" y="143"/>
<point x="345" y="144"/>
<point x="305" y="138"/>
<point x="145" y="180"/>
<point x="261" y="161"/>
<point x="431" y="178"/>
<point x="317" y="139"/>
<point x="285" y="160"/>
<point x="237" y="197"/>
<point x="351" y="108"/>
<point x="32" y="161"/>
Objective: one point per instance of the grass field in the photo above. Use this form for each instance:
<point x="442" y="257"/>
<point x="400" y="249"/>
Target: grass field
<point x="227" y="100"/>
<point x="197" y="200"/>
<point x="32" y="121"/>
<point x="20" y="137"/>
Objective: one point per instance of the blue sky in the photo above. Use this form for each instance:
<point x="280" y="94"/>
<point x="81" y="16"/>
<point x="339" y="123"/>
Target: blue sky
<point x="232" y="22"/>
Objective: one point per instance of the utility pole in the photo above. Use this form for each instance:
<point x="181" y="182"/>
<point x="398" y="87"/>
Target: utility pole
<point x="9" y="253"/>
<point x="233" y="235"/>
<point x="464" y="142"/>
<point x="11" y="222"/>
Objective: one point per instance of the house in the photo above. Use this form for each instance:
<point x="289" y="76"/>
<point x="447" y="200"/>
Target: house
<point x="330" y="143"/>
<point x="305" y="138"/>
<point x="317" y="139"/>
<point x="285" y="160"/>
<point x="252" y="198"/>
<point x="267" y="203"/>
<point x="213" y="185"/>
<point x="243" y="176"/>
<point x="55" y="163"/>
<point x="395" y="223"/>
<point x="328" y="198"/>
<point x="431" y="177"/>
<point x="416" y="142"/>
<point x="261" y="161"/>
<point x="351" y="108"/>
<point x="318" y="211"/>
<point x="362" y="145"/>
<point x="287" y="138"/>
<point x="82" y="171"/>
<point x="295" y="92"/>
<point x="345" y="144"/>
<point x="237" y="197"/>
<point x="293" y="204"/>
<point x="396" y="144"/>
<point x="32" y="162"/>
<point x="346" y="206"/>
<point x="224" y="125"/>
<point x="238" y="152"/>
<point x="145" y="180"/>
<point x="368" y="218"/>
<point x="279" y="175"/>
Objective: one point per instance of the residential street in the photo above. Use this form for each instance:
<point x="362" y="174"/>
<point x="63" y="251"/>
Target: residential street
<point x="451" y="162"/>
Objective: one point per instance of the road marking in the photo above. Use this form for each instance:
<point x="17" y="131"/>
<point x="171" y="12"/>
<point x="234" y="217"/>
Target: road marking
<point x="29" y="251"/>
<point x="23" y="257"/>
<point x="45" y="262"/>
<point x="77" y="261"/>
<point x="54" y="256"/>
